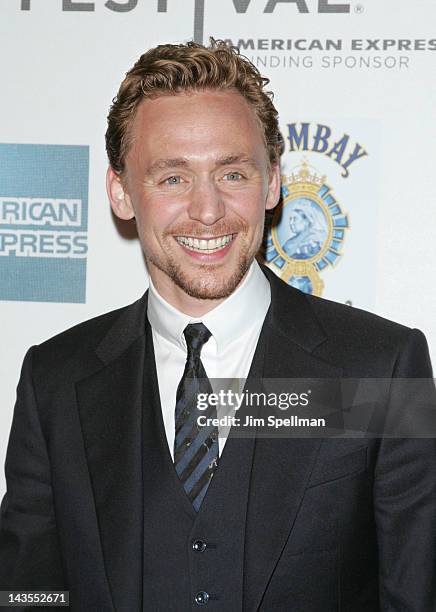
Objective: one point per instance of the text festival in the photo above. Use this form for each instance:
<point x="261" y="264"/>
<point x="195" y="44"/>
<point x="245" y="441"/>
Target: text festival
<point x="241" y="6"/>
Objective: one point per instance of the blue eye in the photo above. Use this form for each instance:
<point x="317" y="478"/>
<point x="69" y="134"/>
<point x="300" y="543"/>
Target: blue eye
<point x="233" y="176"/>
<point x="173" y="180"/>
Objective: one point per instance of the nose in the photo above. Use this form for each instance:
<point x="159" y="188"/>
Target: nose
<point x="206" y="204"/>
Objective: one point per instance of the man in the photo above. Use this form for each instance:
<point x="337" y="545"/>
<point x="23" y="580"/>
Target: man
<point x="106" y="497"/>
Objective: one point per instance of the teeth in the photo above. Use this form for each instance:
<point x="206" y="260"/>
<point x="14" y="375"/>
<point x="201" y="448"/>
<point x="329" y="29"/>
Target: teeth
<point x="205" y="246"/>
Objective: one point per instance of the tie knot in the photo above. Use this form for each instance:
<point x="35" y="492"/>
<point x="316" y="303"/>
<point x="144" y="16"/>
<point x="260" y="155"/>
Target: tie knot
<point x="196" y="334"/>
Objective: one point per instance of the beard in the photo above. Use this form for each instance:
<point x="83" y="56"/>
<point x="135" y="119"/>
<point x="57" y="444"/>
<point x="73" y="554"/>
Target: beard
<point x="207" y="281"/>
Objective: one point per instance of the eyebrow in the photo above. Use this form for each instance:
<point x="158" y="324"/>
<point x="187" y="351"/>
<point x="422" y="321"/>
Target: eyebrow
<point x="182" y="162"/>
<point x="236" y="159"/>
<point x="162" y="164"/>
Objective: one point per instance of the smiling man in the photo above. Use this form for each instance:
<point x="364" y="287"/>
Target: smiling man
<point x="116" y="491"/>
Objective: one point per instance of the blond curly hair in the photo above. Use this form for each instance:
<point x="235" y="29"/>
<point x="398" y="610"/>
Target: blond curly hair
<point x="171" y="69"/>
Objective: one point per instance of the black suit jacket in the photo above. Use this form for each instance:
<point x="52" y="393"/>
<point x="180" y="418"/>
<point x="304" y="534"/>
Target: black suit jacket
<point x="329" y="524"/>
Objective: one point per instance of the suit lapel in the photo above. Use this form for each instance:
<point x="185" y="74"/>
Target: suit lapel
<point x="110" y="410"/>
<point x="281" y="467"/>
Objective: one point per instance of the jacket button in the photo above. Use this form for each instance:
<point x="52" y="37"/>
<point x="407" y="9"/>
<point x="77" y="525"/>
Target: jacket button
<point x="201" y="598"/>
<point x="199" y="546"/>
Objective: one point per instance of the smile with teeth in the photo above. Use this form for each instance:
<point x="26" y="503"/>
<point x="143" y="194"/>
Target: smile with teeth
<point x="201" y="245"/>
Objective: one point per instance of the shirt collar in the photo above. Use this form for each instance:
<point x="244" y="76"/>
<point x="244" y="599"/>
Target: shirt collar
<point x="245" y="307"/>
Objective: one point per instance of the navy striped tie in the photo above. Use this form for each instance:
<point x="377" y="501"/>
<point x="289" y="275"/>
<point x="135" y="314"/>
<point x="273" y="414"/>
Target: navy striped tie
<point x="195" y="447"/>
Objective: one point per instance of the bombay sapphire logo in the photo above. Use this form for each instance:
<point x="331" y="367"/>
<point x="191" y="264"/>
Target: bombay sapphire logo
<point x="43" y="222"/>
<point x="305" y="234"/>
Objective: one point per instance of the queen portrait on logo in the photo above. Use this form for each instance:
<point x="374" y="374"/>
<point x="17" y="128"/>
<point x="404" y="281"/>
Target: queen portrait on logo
<point x="309" y="230"/>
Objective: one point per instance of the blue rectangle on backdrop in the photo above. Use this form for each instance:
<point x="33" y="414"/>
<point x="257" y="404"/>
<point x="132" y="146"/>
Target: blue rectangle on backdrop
<point x="43" y="222"/>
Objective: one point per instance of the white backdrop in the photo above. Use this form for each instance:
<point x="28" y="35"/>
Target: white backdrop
<point x="60" y="68"/>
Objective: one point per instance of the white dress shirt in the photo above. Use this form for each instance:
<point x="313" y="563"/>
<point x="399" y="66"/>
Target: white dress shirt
<point x="235" y="327"/>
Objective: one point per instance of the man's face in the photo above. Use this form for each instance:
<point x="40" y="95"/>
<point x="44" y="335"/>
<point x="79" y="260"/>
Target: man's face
<point x="198" y="182"/>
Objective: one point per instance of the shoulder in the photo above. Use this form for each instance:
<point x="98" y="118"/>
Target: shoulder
<point x="370" y="345"/>
<point x="360" y="342"/>
<point x="339" y="318"/>
<point x="333" y="317"/>
<point x="73" y="351"/>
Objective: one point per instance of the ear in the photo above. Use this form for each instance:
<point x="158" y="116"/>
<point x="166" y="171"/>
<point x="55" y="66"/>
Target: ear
<point x="119" y="198"/>
<point x="274" y="185"/>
